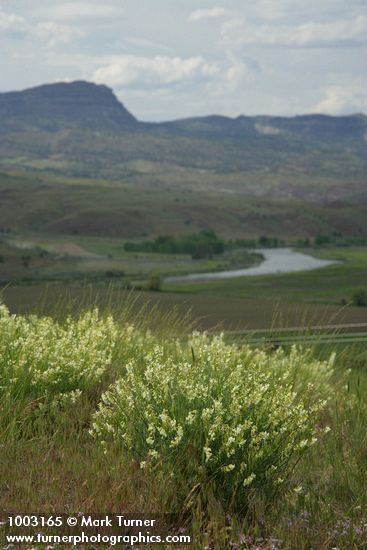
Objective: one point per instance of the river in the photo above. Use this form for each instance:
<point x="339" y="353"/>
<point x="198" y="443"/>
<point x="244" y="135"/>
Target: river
<point x="276" y="260"/>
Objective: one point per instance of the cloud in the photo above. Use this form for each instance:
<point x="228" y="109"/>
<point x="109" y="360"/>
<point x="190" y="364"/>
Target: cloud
<point x="240" y="70"/>
<point x="11" y="22"/>
<point x="339" y="100"/>
<point x="299" y="10"/>
<point x="54" y="34"/>
<point x="261" y="56"/>
<point x="311" y="34"/>
<point x="213" y="13"/>
<point x="143" y="72"/>
<point x="283" y="9"/>
<point x="84" y="10"/>
<point x="49" y="32"/>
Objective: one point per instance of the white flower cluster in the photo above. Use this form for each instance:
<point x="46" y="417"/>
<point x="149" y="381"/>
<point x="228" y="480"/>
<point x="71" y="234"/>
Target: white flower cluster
<point x="46" y="360"/>
<point x="215" y="411"/>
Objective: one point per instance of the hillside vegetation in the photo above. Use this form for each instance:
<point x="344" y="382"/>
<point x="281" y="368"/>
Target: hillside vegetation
<point x="53" y="205"/>
<point x="267" y="447"/>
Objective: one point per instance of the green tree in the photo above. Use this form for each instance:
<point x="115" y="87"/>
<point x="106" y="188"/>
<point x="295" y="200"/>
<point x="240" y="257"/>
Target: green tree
<point x="359" y="297"/>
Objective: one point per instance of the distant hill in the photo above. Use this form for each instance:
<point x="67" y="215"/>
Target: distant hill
<point x="308" y="130"/>
<point x="81" y="129"/>
<point x="54" y="107"/>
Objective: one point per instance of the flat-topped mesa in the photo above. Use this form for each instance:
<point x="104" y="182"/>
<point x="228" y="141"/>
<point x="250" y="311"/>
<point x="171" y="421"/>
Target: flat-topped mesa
<point x="66" y="104"/>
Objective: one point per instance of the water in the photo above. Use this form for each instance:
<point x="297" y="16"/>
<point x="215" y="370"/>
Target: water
<point x="276" y="260"/>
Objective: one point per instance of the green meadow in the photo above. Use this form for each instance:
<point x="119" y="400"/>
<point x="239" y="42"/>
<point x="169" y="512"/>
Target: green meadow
<point x="331" y="285"/>
<point x="321" y="296"/>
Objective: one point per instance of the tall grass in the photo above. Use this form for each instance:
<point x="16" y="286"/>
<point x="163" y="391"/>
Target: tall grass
<point x="230" y="436"/>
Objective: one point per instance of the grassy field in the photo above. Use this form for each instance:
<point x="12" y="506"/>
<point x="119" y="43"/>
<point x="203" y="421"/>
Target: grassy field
<point x="300" y="299"/>
<point x="304" y="489"/>
<point x="73" y="230"/>
<point x="30" y="258"/>
<point x="331" y="285"/>
<point x="209" y="312"/>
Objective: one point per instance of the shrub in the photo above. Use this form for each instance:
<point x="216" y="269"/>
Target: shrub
<point x="359" y="297"/>
<point x="269" y="242"/>
<point x="321" y="240"/>
<point x="43" y="361"/>
<point x="154" y="283"/>
<point x="234" y="419"/>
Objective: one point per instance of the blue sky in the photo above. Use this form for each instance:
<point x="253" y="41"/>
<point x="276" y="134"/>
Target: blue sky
<point x="168" y="59"/>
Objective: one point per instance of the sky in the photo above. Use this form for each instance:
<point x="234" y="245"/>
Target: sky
<point x="168" y="59"/>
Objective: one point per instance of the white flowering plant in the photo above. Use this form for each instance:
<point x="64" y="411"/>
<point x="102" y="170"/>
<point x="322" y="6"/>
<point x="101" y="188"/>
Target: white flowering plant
<point x="236" y="418"/>
<point x="44" y="362"/>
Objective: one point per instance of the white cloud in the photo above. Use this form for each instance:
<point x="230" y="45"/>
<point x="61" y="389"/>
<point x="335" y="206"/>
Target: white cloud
<point x="213" y="13"/>
<point x="54" y="34"/>
<point x="239" y="71"/>
<point x="284" y="9"/>
<point x="339" y="100"/>
<point x="159" y="71"/>
<point x="311" y="34"/>
<point x="11" y="22"/>
<point x="49" y="32"/>
<point x="84" y="10"/>
<point x="299" y="10"/>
